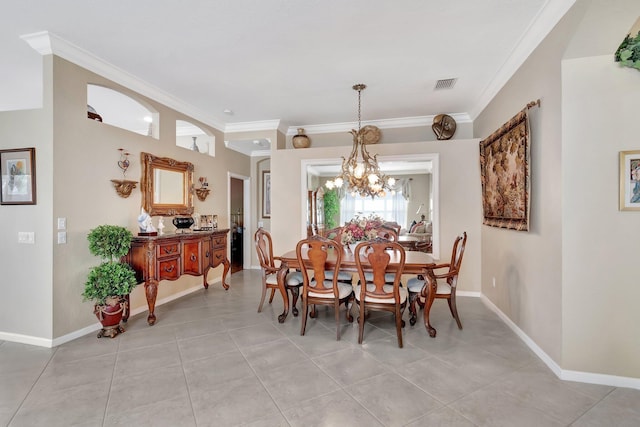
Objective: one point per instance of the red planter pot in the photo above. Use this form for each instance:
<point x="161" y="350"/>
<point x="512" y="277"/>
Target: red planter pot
<point x="110" y="316"/>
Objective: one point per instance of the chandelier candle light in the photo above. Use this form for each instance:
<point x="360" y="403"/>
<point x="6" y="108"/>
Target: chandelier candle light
<point x="360" y="172"/>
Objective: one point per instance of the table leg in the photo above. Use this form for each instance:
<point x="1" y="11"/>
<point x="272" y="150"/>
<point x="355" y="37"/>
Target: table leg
<point x="151" y="290"/>
<point x="430" y="290"/>
<point x="282" y="277"/>
<point x="227" y="265"/>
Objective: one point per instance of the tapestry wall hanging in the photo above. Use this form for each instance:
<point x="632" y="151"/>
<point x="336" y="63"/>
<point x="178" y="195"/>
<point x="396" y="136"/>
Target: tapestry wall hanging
<point x="505" y="174"/>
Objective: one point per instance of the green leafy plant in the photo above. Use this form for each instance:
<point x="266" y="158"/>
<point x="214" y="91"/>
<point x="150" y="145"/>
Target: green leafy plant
<point x="331" y="208"/>
<point x="111" y="278"/>
<point x="628" y="54"/>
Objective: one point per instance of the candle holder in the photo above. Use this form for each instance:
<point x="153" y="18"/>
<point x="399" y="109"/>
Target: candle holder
<point x="124" y="186"/>
<point x="203" y="191"/>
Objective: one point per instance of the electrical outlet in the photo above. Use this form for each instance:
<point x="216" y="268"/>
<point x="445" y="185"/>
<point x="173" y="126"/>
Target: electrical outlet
<point x="62" y="237"/>
<point x="260" y="224"/>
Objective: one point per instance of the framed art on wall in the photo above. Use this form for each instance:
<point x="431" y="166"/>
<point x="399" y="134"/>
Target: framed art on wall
<point x="18" y="171"/>
<point x="266" y="194"/>
<point x="629" y="199"/>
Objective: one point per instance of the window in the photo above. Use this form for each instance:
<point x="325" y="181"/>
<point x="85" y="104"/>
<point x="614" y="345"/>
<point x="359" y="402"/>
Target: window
<point x="392" y="207"/>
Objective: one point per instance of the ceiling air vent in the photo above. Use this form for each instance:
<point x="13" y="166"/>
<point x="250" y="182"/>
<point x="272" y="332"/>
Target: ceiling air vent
<point x="445" y="84"/>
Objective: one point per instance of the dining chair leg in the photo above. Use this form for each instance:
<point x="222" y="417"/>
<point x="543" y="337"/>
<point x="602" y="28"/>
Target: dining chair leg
<point x="399" y="325"/>
<point x="273" y="292"/>
<point x="413" y="296"/>
<point x="454" y="309"/>
<point x="348" y="303"/>
<point x="361" y="317"/>
<point x="305" y="314"/>
<point x="295" y="292"/>
<point x="264" y="294"/>
<point x="336" y="308"/>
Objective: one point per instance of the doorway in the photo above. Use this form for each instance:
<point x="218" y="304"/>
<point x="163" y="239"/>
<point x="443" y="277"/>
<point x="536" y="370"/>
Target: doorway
<point x="237" y="221"/>
<point x="239" y="205"/>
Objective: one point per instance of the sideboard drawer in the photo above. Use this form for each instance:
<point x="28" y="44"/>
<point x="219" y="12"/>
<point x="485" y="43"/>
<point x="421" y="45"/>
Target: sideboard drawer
<point x="169" y="269"/>
<point x="168" y="249"/>
<point x="192" y="257"/>
<point x="217" y="256"/>
<point x="220" y="241"/>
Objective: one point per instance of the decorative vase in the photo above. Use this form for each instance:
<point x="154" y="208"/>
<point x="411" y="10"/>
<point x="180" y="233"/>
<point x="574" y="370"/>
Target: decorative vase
<point x="110" y="316"/>
<point x="301" y="140"/>
<point x="183" y="222"/>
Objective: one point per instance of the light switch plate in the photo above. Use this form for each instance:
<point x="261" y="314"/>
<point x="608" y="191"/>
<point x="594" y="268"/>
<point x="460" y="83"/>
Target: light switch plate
<point x="62" y="237"/>
<point x="28" y="237"/>
<point x="62" y="223"/>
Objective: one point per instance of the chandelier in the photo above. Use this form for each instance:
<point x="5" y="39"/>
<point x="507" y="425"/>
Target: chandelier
<point x="360" y="173"/>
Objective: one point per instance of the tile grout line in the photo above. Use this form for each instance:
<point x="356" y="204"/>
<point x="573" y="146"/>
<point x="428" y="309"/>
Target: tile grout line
<point x="32" y="386"/>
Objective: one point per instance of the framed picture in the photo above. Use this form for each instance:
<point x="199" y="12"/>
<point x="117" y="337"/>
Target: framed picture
<point x="266" y="194"/>
<point x="629" y="181"/>
<point x="18" y="171"/>
<point x="206" y="222"/>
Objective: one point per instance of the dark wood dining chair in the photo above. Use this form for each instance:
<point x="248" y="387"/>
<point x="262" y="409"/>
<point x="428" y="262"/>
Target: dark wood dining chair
<point x="293" y="281"/>
<point x="318" y="290"/>
<point x="447" y="282"/>
<point x="372" y="257"/>
<point x="387" y="233"/>
<point x="343" y="276"/>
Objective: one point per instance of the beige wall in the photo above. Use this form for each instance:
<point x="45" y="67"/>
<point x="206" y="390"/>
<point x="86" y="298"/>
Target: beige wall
<point x="600" y="252"/>
<point x="527" y="266"/>
<point x="459" y="195"/>
<point x="568" y="284"/>
<point x="26" y="277"/>
<point x="74" y="171"/>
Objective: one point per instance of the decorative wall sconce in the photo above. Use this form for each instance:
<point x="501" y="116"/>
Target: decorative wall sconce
<point x="124" y="186"/>
<point x="203" y="191"/>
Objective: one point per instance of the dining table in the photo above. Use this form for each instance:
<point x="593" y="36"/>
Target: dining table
<point x="416" y="262"/>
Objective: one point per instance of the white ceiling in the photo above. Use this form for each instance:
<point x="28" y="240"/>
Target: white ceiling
<point x="282" y="64"/>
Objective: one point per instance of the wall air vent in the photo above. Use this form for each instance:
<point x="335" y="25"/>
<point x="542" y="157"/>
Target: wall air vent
<point x="445" y="84"/>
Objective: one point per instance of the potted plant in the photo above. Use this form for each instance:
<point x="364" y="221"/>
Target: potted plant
<point x="109" y="283"/>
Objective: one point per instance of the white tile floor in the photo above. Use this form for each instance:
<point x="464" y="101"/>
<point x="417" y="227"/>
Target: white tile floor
<point x="211" y="360"/>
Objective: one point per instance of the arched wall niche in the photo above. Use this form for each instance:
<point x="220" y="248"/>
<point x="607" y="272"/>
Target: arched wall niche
<point x="194" y="138"/>
<point x="117" y="109"/>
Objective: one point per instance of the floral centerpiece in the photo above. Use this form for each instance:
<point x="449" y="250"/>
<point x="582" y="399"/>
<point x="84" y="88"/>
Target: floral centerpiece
<point x="361" y="228"/>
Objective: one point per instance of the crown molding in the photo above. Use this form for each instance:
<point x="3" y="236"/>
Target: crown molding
<point x="47" y="43"/>
<point x="540" y="27"/>
<point x="402" y="122"/>
<point x="261" y="153"/>
<point x="252" y="126"/>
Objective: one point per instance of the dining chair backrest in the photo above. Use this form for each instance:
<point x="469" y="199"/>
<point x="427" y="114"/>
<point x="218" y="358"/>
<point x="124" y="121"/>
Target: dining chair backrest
<point x="334" y="234"/>
<point x="264" y="248"/>
<point x="456" y="258"/>
<point x="373" y="256"/>
<point x="313" y="253"/>
<point x="394" y="225"/>
<point x="388" y="233"/>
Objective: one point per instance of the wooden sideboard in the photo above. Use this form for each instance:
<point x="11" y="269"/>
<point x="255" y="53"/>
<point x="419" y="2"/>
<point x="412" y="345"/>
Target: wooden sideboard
<point x="167" y="257"/>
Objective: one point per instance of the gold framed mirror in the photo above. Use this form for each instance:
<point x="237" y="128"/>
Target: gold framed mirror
<point x="166" y="185"/>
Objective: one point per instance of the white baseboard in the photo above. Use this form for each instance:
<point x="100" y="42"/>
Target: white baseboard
<point x="44" y="342"/>
<point x="26" y="339"/>
<point x="563" y="374"/>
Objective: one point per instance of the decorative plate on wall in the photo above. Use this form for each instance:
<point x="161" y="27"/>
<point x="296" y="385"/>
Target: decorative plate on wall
<point x="444" y="126"/>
